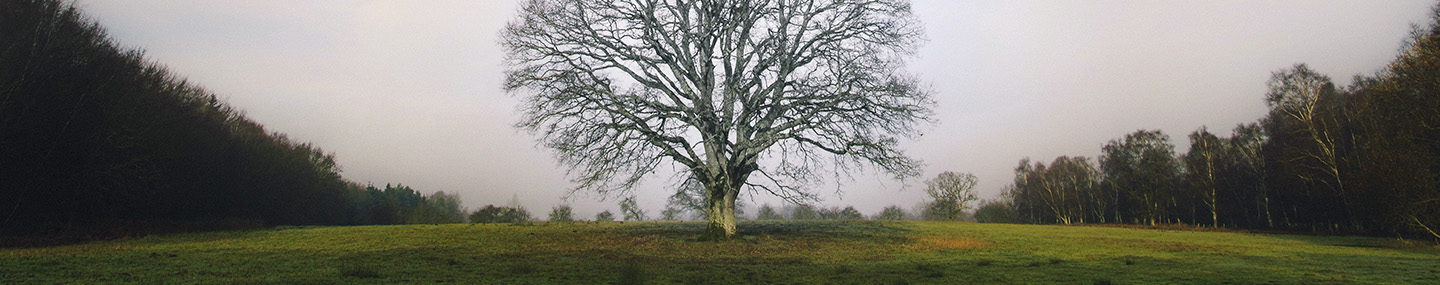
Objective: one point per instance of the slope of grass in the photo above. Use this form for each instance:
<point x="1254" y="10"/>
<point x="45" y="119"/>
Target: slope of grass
<point x="771" y="252"/>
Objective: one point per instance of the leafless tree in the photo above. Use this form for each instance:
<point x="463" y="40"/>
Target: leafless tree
<point x="951" y="191"/>
<point x="618" y="88"/>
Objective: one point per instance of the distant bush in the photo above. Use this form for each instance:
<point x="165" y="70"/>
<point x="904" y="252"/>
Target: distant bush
<point x="605" y="216"/>
<point x="561" y="213"/>
<point x="849" y="213"/>
<point x="995" y="212"/>
<point x="494" y="214"/>
<point x="891" y="213"/>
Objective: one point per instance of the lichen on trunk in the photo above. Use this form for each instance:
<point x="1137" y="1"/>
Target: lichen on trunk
<point x="720" y="210"/>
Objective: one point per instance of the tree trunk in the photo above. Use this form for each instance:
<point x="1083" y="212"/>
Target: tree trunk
<point x="721" y="211"/>
<point x="1214" y="217"/>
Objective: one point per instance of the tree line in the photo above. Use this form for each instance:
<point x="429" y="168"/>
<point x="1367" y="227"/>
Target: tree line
<point x="1357" y="159"/>
<point x="92" y="133"/>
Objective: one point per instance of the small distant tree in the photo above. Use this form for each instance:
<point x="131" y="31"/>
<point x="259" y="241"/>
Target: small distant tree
<point x="561" y="213"/>
<point x="631" y="210"/>
<point x="768" y="213"/>
<point x="850" y="213"/>
<point x="891" y="213"/>
<point x="515" y="215"/>
<point x="605" y="216"/>
<point x="804" y="212"/>
<point x="950" y="192"/>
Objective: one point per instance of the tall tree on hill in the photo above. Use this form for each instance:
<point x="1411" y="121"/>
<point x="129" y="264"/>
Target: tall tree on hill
<point x="617" y="88"/>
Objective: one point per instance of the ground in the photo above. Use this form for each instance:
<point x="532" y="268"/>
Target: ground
<point x="857" y="252"/>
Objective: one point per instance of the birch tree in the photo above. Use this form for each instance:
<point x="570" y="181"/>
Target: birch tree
<point x="1201" y="160"/>
<point x="1302" y="104"/>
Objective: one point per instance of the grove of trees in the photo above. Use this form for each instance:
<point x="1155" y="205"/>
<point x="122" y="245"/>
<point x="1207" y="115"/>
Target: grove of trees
<point x="1358" y="159"/>
<point x="94" y="136"/>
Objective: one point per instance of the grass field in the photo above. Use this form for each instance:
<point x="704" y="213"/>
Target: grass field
<point x="770" y="252"/>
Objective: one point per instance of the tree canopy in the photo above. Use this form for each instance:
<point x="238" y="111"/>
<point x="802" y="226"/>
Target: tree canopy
<point x="619" y="88"/>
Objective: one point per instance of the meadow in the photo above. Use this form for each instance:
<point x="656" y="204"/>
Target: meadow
<point x="844" y="252"/>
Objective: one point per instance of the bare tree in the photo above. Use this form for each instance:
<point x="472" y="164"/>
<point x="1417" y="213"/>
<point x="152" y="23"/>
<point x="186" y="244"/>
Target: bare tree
<point x="951" y="191"/>
<point x="631" y="210"/>
<point x="617" y="88"/>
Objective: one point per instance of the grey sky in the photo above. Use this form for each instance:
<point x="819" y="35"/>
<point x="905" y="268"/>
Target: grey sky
<point x="409" y="91"/>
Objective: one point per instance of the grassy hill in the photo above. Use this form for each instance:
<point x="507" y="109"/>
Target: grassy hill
<point x="771" y="252"/>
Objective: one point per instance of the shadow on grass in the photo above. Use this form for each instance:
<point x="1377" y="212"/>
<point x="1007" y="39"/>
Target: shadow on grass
<point x="791" y="228"/>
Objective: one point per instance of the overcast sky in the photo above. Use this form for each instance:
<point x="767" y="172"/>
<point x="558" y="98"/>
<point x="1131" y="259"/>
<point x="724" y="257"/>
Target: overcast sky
<point x="410" y="91"/>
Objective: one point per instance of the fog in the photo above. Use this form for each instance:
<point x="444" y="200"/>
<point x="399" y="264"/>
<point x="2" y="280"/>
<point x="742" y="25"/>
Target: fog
<point x="410" y="92"/>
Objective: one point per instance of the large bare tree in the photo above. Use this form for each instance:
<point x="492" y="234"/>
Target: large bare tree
<point x="619" y="88"/>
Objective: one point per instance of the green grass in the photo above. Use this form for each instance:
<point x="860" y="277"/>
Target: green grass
<point x="770" y="252"/>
